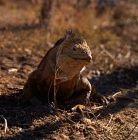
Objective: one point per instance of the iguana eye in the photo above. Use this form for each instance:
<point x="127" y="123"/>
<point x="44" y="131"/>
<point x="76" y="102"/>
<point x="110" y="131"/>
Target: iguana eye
<point x="74" y="49"/>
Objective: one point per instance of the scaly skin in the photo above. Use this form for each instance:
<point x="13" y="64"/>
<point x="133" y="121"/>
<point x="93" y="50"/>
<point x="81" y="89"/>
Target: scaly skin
<point x="59" y="71"/>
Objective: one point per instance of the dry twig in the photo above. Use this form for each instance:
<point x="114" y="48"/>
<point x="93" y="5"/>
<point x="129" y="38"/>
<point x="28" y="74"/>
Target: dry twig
<point x="119" y="92"/>
<point x="111" y="116"/>
<point x="5" y="125"/>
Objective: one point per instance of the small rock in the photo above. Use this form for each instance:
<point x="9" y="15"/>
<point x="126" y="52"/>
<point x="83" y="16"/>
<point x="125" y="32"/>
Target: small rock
<point x="12" y="70"/>
<point x="98" y="73"/>
<point x="28" y="51"/>
<point x="20" y="129"/>
<point x="86" y="121"/>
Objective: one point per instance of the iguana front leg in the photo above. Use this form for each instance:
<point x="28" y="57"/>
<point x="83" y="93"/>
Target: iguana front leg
<point x="83" y="91"/>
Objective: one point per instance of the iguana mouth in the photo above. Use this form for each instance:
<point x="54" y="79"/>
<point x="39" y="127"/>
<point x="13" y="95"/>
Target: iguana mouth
<point x="89" y="58"/>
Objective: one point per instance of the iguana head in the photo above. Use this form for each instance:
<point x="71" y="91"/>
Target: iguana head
<point x="75" y="48"/>
<point x="72" y="55"/>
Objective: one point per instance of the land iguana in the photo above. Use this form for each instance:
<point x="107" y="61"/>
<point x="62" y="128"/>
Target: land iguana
<point x="59" y="73"/>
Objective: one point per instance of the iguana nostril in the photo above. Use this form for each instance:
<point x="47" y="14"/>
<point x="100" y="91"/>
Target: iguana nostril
<point x="83" y="51"/>
<point x="89" y="58"/>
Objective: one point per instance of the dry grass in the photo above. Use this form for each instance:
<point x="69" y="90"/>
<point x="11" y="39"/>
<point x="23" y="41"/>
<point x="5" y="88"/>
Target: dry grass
<point x="3" y="2"/>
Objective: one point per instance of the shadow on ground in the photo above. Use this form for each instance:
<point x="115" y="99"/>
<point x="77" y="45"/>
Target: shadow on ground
<point x="26" y="118"/>
<point x="124" y="82"/>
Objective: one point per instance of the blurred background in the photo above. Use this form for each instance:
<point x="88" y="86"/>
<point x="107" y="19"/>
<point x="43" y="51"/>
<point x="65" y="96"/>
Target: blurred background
<point x="110" y="23"/>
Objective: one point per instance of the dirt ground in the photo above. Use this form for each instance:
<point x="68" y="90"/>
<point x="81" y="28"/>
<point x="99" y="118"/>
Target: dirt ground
<point x="113" y="72"/>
